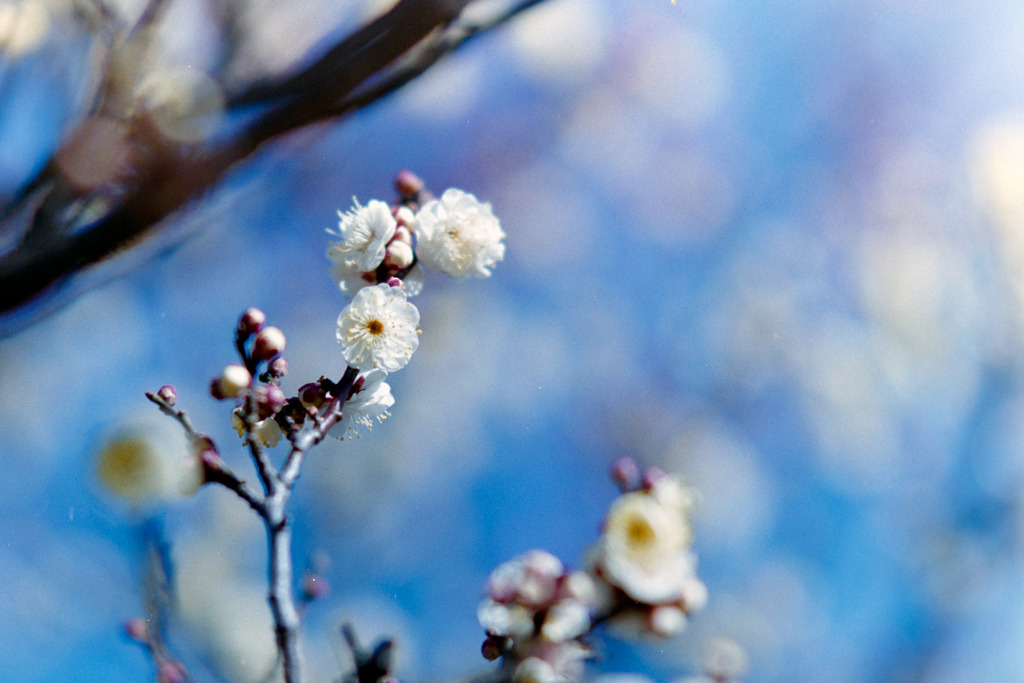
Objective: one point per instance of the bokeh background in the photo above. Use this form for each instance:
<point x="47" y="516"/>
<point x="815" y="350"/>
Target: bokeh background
<point x="777" y="248"/>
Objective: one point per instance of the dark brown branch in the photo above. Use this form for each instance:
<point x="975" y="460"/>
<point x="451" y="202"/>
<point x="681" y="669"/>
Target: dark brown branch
<point x="167" y="176"/>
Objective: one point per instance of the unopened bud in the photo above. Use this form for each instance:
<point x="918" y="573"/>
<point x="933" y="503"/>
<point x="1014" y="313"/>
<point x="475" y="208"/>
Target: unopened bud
<point x="494" y="647"/>
<point x="402" y="234"/>
<point x="398" y="256"/>
<point x="278" y="367"/>
<point x="666" y="620"/>
<point x="170" y="671"/>
<point x="652" y="475"/>
<point x="311" y="395"/>
<point x="405" y="218"/>
<point x="394" y="282"/>
<point x="269" y="342"/>
<point x="269" y="400"/>
<point x="251" y="322"/>
<point x="408" y="184"/>
<point x="626" y="473"/>
<point x="137" y="629"/>
<point x="232" y="383"/>
<point x="168" y="393"/>
<point x="315" y="586"/>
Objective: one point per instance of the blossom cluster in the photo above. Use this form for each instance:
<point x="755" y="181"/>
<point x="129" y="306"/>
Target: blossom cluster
<point x="455" y="233"/>
<point x="639" y="578"/>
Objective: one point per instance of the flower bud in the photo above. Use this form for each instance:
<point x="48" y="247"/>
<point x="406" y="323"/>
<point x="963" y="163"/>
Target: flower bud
<point x="315" y="586"/>
<point x="251" y="322"/>
<point x="311" y="395"/>
<point x="666" y="620"/>
<point x="626" y="473"/>
<point x="405" y="218"/>
<point x="402" y="234"/>
<point x="494" y="647"/>
<point x="269" y="400"/>
<point x="394" y="282"/>
<point x="398" y="255"/>
<point x="232" y="383"/>
<point x="652" y="475"/>
<point x="137" y="629"/>
<point x="408" y="184"/>
<point x="269" y="342"/>
<point x="168" y="393"/>
<point x="278" y="367"/>
<point x="170" y="671"/>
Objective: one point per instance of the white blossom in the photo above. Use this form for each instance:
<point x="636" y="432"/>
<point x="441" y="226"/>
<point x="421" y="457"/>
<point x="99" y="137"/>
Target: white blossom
<point x="350" y="278"/>
<point x="645" y="549"/>
<point x="565" y="620"/>
<point x="267" y="431"/>
<point x="511" y="620"/>
<point x="378" y="329"/>
<point x="370" y="403"/>
<point x="459" y="235"/>
<point x="365" y="232"/>
<point x="149" y="461"/>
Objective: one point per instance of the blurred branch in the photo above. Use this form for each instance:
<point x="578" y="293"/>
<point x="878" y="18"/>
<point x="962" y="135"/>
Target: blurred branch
<point x="71" y="227"/>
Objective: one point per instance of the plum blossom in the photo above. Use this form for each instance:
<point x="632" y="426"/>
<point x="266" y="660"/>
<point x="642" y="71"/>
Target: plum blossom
<point x="267" y="430"/>
<point x="645" y="552"/>
<point x="370" y="402"/>
<point x="534" y="616"/>
<point x="459" y="235"/>
<point x="378" y="329"/>
<point x="365" y="232"/>
<point x="146" y="461"/>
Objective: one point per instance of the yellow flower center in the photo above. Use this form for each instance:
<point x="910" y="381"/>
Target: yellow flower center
<point x="639" y="532"/>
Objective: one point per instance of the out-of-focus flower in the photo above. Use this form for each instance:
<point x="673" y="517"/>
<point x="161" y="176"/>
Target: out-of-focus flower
<point x="534" y="615"/>
<point x="371" y="402"/>
<point x="149" y="461"/>
<point x="644" y="547"/>
<point x="184" y="103"/>
<point x="378" y="329"/>
<point x="23" y="27"/>
<point x="365" y="232"/>
<point x="459" y="235"/>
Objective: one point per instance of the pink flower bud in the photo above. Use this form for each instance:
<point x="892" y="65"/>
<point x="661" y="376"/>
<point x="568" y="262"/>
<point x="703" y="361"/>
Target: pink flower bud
<point x="137" y="629"/>
<point x="315" y="586"/>
<point x="408" y="184"/>
<point x="269" y="342"/>
<point x="170" y="671"/>
<point x="405" y="218"/>
<point x="311" y="395"/>
<point x="402" y="235"/>
<point x="394" y="282"/>
<point x="398" y="255"/>
<point x="169" y="394"/>
<point x="626" y="473"/>
<point x="269" y="400"/>
<point x="652" y="475"/>
<point x="251" y="322"/>
<point x="232" y="383"/>
<point x="278" y="367"/>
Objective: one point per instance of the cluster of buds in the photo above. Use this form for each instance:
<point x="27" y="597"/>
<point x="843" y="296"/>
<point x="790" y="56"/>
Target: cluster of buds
<point x="456" y="234"/>
<point x="535" y="614"/>
<point x="640" y="579"/>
